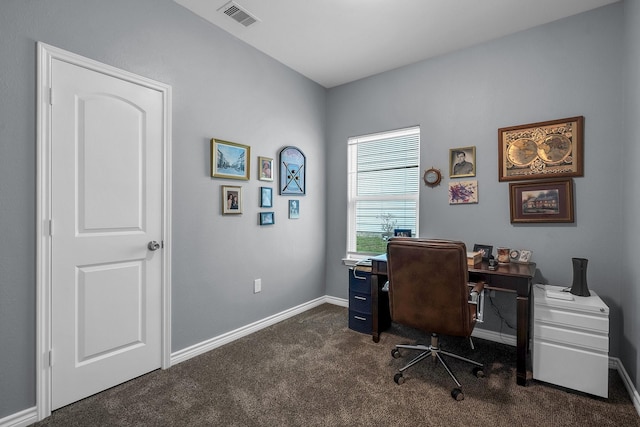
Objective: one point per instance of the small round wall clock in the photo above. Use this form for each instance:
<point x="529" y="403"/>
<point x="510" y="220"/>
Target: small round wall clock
<point x="432" y="177"/>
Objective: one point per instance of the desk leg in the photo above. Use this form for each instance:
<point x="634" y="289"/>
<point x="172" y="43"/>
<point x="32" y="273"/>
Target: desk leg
<point x="523" y="340"/>
<point x="375" y="327"/>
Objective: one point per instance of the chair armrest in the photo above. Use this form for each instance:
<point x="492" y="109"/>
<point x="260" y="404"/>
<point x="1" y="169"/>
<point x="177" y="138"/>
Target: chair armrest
<point x="475" y="292"/>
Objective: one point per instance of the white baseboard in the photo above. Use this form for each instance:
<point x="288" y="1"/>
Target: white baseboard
<point x="616" y="363"/>
<point x="20" y="419"/>
<point x="210" y="344"/>
<point x="495" y="336"/>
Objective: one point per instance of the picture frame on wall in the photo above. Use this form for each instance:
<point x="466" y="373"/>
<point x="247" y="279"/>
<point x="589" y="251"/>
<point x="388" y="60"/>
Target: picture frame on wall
<point x="266" y="197"/>
<point x="265" y="168"/>
<point x="292" y="171"/>
<point x="463" y="192"/>
<point x="267" y="218"/>
<point x="294" y="209"/>
<point x="230" y="160"/>
<point x="462" y="162"/>
<point x="542" y="201"/>
<point x="231" y="199"/>
<point x="551" y="149"/>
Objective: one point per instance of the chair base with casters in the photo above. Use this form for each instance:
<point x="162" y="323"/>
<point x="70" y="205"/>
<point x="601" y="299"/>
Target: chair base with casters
<point x="436" y="353"/>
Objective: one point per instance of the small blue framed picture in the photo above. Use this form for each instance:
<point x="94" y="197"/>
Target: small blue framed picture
<point x="294" y="209"/>
<point x="267" y="218"/>
<point x="266" y="197"/>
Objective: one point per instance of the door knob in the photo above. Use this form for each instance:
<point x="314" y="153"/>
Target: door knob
<point x="153" y="245"/>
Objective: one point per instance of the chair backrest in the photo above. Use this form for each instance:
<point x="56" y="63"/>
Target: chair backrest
<point x="428" y="287"/>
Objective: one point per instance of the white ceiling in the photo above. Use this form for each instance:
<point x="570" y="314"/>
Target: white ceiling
<point x="338" y="41"/>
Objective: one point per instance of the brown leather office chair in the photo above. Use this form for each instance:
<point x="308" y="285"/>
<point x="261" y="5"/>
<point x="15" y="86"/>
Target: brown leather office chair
<point x="429" y="291"/>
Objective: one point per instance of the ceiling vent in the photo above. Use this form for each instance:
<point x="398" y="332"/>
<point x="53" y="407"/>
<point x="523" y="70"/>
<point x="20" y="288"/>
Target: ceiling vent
<point x="235" y="11"/>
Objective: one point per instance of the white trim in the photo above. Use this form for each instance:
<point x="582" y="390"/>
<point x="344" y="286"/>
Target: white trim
<point x="20" y="419"/>
<point x="46" y="54"/>
<point x="494" y="336"/>
<point x="220" y="340"/>
<point x="616" y="363"/>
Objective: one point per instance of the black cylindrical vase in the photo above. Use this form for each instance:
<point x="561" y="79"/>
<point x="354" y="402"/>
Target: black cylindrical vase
<point x="579" y="286"/>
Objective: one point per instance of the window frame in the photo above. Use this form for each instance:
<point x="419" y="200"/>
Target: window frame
<point x="352" y="188"/>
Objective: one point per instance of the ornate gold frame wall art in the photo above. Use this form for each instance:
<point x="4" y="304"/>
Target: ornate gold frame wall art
<point x="551" y="149"/>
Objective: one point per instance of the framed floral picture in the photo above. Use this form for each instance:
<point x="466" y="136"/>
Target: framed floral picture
<point x="230" y="160"/>
<point x="231" y="199"/>
<point x="463" y="192"/>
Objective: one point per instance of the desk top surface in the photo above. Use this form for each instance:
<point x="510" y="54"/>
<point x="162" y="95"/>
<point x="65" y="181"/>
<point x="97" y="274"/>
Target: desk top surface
<point x="509" y="269"/>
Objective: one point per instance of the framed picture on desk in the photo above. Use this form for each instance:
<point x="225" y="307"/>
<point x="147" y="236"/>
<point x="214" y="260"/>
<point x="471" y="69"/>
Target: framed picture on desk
<point x="487" y="251"/>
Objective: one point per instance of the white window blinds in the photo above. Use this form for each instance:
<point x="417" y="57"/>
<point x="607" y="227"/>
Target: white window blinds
<point x="383" y="188"/>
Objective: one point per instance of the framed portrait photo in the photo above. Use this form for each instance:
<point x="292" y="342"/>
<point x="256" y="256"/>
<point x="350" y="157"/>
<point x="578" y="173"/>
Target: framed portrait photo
<point x="230" y="160"/>
<point x="266" y="197"/>
<point x="541" y="201"/>
<point x="462" y="162"/>
<point x="231" y="199"/>
<point x="551" y="149"/>
<point x="292" y="171"/>
<point x="267" y="218"/>
<point x="265" y="168"/>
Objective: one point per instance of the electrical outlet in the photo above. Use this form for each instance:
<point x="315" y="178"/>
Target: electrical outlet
<point x="257" y="286"/>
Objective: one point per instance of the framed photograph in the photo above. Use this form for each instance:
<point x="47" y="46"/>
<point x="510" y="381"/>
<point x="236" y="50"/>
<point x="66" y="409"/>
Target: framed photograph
<point x="294" y="209"/>
<point x="463" y="192"/>
<point x="542" y="201"/>
<point x="462" y="162"/>
<point x="231" y="199"/>
<point x="267" y="218"/>
<point x="550" y="149"/>
<point x="266" y="197"/>
<point x="520" y="256"/>
<point x="292" y="171"/>
<point x="487" y="251"/>
<point x="402" y="232"/>
<point x="230" y="160"/>
<point x="265" y="169"/>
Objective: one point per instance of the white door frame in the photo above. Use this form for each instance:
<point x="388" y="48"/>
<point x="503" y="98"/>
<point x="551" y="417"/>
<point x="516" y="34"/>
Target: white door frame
<point x="46" y="54"/>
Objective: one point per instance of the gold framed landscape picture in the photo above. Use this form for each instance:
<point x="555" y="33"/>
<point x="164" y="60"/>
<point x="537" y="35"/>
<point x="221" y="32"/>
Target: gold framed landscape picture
<point x="542" y="201"/>
<point x="551" y="149"/>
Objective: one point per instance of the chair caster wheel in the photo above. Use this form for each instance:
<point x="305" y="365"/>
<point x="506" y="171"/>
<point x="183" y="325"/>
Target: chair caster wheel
<point x="457" y="394"/>
<point x="398" y="378"/>
<point x="478" y="372"/>
<point x="395" y="353"/>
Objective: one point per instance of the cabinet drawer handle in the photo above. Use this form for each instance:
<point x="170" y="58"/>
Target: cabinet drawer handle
<point x="359" y="318"/>
<point x="360" y="298"/>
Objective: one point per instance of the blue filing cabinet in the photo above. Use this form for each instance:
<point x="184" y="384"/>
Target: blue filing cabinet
<point x="360" y="315"/>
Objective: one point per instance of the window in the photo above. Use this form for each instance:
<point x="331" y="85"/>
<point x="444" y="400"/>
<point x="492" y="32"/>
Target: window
<point x="383" y="189"/>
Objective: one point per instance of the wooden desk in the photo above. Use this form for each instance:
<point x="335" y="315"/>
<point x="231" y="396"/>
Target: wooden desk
<point x="511" y="277"/>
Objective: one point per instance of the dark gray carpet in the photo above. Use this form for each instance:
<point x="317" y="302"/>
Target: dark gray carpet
<point x="311" y="370"/>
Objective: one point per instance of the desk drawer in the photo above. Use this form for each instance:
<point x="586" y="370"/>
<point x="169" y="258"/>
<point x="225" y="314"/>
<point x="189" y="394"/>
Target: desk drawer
<point x="572" y="338"/>
<point x="360" y="281"/>
<point x="572" y="319"/>
<point x="361" y="322"/>
<point x="360" y="302"/>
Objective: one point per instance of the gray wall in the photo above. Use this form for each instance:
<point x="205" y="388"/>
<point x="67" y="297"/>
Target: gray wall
<point x="566" y="68"/>
<point x="221" y="88"/>
<point x="630" y="292"/>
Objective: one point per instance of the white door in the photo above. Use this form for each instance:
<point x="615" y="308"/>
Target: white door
<point x="106" y="206"/>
